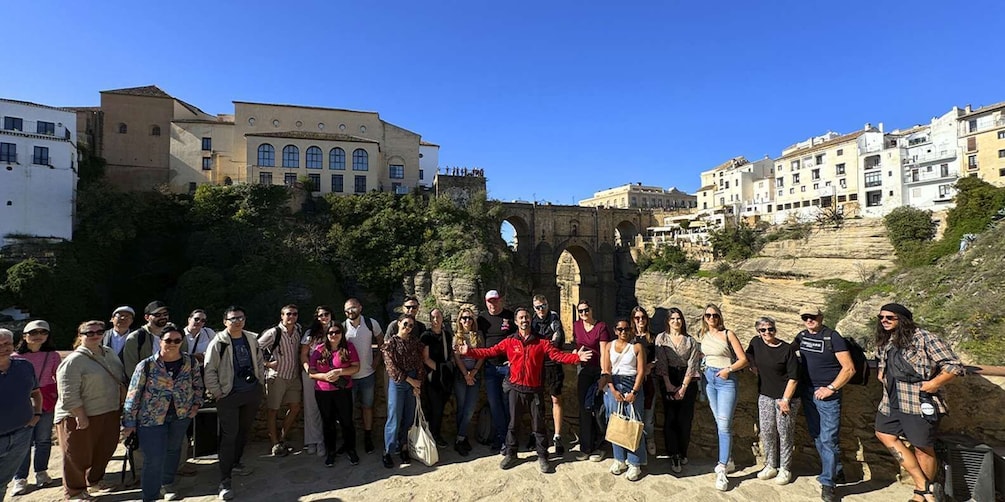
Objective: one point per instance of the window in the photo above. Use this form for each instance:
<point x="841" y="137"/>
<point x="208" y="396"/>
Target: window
<point x="1001" y="134"/>
<point x="820" y="159"/>
<point x="40" y="156"/>
<point x="972" y="125"/>
<point x="291" y="157"/>
<point x="422" y="174"/>
<point x="944" y="191"/>
<point x="266" y="157"/>
<point x="839" y="169"/>
<point x="155" y="130"/>
<point x="397" y="171"/>
<point x="265" y="178"/>
<point x="46" y="128"/>
<point x="874" y="198"/>
<point x="853" y="197"/>
<point x="816" y="186"/>
<point x="840" y="152"/>
<point x="290" y="179"/>
<point x="971" y="144"/>
<point x="207" y="163"/>
<point x="873" y="179"/>
<point x="843" y="182"/>
<point x="972" y="161"/>
<point x="815" y="174"/>
<point x="794" y="165"/>
<point x="13" y="124"/>
<point x="842" y="198"/>
<point x="314" y="156"/>
<point x="122" y="128"/>
<point x="360" y="160"/>
<point x="802" y="188"/>
<point x="360" y="186"/>
<point x="337" y="183"/>
<point x="336" y="159"/>
<point x="1001" y="154"/>
<point x="1001" y="172"/>
<point x="795" y="179"/>
<point x="315" y="182"/>
<point x="780" y="182"/>
<point x="944" y="170"/>
<point x="207" y="144"/>
<point x="8" y="152"/>
<point x="396" y="188"/>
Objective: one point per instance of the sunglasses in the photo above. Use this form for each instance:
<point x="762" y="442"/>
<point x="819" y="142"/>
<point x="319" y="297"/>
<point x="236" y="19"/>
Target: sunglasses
<point x="236" y="319"/>
<point x="350" y="311"/>
<point x="639" y="318"/>
<point x="807" y="317"/>
<point x="411" y="307"/>
<point x="887" y="317"/>
<point x="93" y="332"/>
<point x="583" y="311"/>
<point x="713" y="315"/>
<point x="407" y="325"/>
<point x="291" y="313"/>
<point x="172" y="341"/>
<point x="677" y="319"/>
<point x="620" y="329"/>
<point x="765" y="330"/>
<point x="198" y="319"/>
<point x="334" y="332"/>
<point x="324" y="314"/>
<point x="38" y="332"/>
<point x="541" y="307"/>
<point x="467" y="318"/>
<point x="159" y="314"/>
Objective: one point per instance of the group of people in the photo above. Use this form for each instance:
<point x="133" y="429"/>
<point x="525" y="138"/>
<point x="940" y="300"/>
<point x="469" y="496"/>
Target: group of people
<point x="146" y="386"/>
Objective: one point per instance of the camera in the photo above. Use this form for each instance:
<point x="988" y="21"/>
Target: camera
<point x="132" y="442"/>
<point x="248" y="376"/>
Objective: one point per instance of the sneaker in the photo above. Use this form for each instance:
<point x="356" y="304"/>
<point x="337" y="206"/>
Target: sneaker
<point x="440" y="442"/>
<point x="767" y="473"/>
<point x="20" y="486"/>
<point x="225" y="492"/>
<point x="459" y="448"/>
<point x="827" y="493"/>
<point x="353" y="457"/>
<point x="597" y="456"/>
<point x="675" y="464"/>
<point x="367" y="443"/>
<point x="784" y="477"/>
<point x="406" y="458"/>
<point x="279" y="450"/>
<point x="169" y="492"/>
<point x="466" y="445"/>
<point x="322" y="452"/>
<point x="634" y="472"/>
<point x="543" y="465"/>
<point x="387" y="461"/>
<point x="312" y="449"/>
<point x="721" y="481"/>
<point x="683" y="461"/>
<point x="618" y="467"/>
<point x="507" y="462"/>
<point x="557" y="441"/>
<point x="42" y="479"/>
<point x="241" y="470"/>
<point x="730" y="466"/>
<point x="582" y="455"/>
<point x="651" y="446"/>
<point x="330" y="460"/>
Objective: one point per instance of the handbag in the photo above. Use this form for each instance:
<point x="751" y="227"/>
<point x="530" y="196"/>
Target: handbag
<point x="625" y="430"/>
<point x="421" y="445"/>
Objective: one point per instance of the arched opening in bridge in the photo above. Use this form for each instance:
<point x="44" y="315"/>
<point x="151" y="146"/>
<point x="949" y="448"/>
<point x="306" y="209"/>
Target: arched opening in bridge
<point x="508" y="234"/>
<point x="515" y="232"/>
<point x="576" y="280"/>
<point x="625" y="234"/>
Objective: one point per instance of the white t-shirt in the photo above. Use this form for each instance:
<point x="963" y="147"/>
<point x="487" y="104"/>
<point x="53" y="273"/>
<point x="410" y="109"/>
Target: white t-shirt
<point x="361" y="338"/>
<point x="202" y="337"/>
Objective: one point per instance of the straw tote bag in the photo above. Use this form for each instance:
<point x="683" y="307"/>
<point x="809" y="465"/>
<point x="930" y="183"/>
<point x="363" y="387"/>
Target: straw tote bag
<point x="625" y="429"/>
<point x="421" y="445"/>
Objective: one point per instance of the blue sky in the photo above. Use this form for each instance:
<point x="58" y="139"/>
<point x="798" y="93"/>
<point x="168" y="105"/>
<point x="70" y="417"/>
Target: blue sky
<point x="555" y="99"/>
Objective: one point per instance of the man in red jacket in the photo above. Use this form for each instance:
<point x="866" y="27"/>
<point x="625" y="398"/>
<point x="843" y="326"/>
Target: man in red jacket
<point x="526" y="353"/>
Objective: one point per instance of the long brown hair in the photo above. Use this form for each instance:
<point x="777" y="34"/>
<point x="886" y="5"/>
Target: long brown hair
<point x="705" y="328"/>
<point x="343" y="346"/>
<point x="900" y="337"/>
<point x="645" y="315"/>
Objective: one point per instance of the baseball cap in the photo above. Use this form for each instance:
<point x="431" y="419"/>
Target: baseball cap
<point x="154" y="306"/>
<point x="810" y="310"/>
<point x="36" y="325"/>
<point x="492" y="294"/>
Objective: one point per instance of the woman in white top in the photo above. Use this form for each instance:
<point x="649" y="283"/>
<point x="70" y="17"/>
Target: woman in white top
<point x="627" y="369"/>
<point x="723" y="357"/>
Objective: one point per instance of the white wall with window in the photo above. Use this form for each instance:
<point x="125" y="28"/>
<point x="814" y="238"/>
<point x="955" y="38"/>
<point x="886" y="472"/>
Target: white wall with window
<point x="429" y="163"/>
<point x="38" y="170"/>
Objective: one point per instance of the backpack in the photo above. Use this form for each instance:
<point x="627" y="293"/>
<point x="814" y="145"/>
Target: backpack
<point x="366" y="320"/>
<point x="858" y="359"/>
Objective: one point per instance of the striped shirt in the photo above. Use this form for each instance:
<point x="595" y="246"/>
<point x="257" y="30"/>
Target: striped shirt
<point x="929" y="355"/>
<point x="287" y="353"/>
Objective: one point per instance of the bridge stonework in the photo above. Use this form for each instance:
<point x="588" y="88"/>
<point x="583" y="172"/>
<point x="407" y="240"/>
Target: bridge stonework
<point x="594" y="236"/>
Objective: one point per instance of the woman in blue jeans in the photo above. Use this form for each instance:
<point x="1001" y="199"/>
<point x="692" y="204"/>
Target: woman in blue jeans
<point x="627" y="370"/>
<point x="36" y="346"/>
<point x="164" y="395"/>
<point x="405" y="358"/>
<point x="723" y="357"/>
<point x="466" y="381"/>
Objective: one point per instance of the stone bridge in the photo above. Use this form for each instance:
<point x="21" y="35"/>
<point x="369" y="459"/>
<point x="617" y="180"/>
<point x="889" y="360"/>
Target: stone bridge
<point x="599" y="240"/>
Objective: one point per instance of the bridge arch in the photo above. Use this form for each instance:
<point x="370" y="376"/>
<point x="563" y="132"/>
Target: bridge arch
<point x="625" y="233"/>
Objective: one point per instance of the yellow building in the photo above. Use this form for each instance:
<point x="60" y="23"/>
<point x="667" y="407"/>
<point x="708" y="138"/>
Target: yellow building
<point x="982" y="140"/>
<point x="638" y="195"/>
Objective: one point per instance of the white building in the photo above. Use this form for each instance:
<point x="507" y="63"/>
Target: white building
<point x="429" y="163"/>
<point x="38" y="170"/>
<point x="931" y="163"/>
<point x="734" y="188"/>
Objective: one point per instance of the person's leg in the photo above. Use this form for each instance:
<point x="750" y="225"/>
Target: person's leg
<point x="326" y="407"/>
<point x="313" y="430"/>
<point x="106" y="426"/>
<point x="649" y="407"/>
<point x="395" y="409"/>
<point x="498" y="404"/>
<point x="685" y="417"/>
<point x="827" y="442"/>
<point x="435" y="403"/>
<point x="292" y="397"/>
<point x="77" y="446"/>
<point x="786" y="425"/>
<point x="584" y="379"/>
<point x="246" y="418"/>
<point x="22" y="468"/>
<point x="408" y="414"/>
<point x="460" y="395"/>
<point x="363" y="390"/>
<point x="537" y="424"/>
<point x="513" y="427"/>
<point x="639" y="455"/>
<point x="153" y="444"/>
<point x="905" y="457"/>
<point x="343" y="410"/>
<point x="227" y="415"/>
<point x="175" y="435"/>
<point x="274" y="388"/>
<point x="766" y="422"/>
<point x="13" y="448"/>
<point x="612" y="406"/>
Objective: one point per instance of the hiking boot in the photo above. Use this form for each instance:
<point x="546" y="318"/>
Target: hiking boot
<point x="767" y="473"/>
<point x="42" y="479"/>
<point x="508" y="461"/>
<point x="279" y="450"/>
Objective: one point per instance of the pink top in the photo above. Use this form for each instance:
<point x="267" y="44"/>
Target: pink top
<point x="319" y="365"/>
<point x="45" y="364"/>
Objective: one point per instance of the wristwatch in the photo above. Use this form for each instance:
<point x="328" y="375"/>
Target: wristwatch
<point x="832" y="388"/>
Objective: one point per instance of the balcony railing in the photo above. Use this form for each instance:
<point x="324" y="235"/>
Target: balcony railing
<point x="930" y="157"/>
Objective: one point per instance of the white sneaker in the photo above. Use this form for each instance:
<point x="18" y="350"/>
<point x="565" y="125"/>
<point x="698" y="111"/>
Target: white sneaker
<point x="20" y="487"/>
<point x="226" y="493"/>
<point x="784" y="477"/>
<point x="634" y="472"/>
<point x="651" y="446"/>
<point x="721" y="482"/>
<point x="42" y="479"/>
<point x="617" y="468"/>
<point x="683" y="461"/>
<point x="767" y="473"/>
<point x="597" y="456"/>
<point x="169" y="492"/>
<point x="730" y="466"/>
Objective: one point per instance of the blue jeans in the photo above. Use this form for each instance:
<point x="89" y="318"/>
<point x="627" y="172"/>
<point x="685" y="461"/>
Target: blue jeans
<point x="498" y="404"/>
<point x="722" y="401"/>
<point x="400" y="413"/>
<point x="41" y="438"/>
<point x="13" y="448"/>
<point x="625" y="384"/>
<point x="823" y="420"/>
<point x="467" y="399"/>
<point x="161" y="447"/>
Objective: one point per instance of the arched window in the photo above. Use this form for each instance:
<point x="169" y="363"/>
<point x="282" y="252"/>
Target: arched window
<point x="122" y="128"/>
<point x="360" y="160"/>
<point x="336" y="159"/>
<point x="155" y="130"/>
<point x="266" y="155"/>
<point x="314" y="156"/>
<point x="291" y="156"/>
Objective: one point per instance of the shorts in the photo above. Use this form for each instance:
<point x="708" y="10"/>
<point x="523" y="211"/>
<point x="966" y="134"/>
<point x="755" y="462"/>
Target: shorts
<point x="362" y="390"/>
<point x="554" y="378"/>
<point x="283" y="390"/>
<point x="917" y="430"/>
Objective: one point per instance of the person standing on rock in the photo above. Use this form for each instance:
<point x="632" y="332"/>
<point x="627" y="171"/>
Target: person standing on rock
<point x="825" y="366"/>
<point x="405" y="360"/>
<point x="37" y="348"/>
<point x="914" y="365"/>
<point x="495" y="324"/>
<point x="628" y="372"/>
<point x="777" y="369"/>
<point x="466" y="382"/>
<point x="594" y="335"/>
<point x="283" y="384"/>
<point x="22" y="409"/>
<point x="644" y="336"/>
<point x="364" y="334"/>
<point x="314" y="337"/>
<point x="548" y="325"/>
<point x="677" y="373"/>
<point x="440" y="375"/>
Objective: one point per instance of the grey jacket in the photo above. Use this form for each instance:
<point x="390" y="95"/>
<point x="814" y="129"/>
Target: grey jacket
<point x="219" y="368"/>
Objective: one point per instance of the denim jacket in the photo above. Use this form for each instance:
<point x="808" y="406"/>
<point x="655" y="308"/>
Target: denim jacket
<point x="152" y="390"/>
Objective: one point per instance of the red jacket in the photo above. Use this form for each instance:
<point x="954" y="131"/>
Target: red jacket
<point x="526" y="358"/>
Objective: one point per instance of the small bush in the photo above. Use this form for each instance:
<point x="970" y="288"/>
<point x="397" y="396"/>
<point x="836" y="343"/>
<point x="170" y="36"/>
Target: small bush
<point x="731" y="281"/>
<point x="909" y="227"/>
<point x="735" y="243"/>
<point x="668" y="259"/>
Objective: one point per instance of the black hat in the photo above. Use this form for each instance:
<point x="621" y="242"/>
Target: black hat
<point x="154" y="306"/>
<point x="898" y="309"/>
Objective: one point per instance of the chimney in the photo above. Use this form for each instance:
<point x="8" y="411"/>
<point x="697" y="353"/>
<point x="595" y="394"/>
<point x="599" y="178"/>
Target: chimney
<point x="968" y="109"/>
<point x="868" y="126"/>
<point x="880" y="127"/>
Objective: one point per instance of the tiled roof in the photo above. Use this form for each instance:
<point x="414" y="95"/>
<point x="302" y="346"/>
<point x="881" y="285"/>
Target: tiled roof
<point x="733" y="162"/>
<point x="147" y="90"/>
<point x="831" y="142"/>
<point x="319" y="136"/>
<point x="706" y="187"/>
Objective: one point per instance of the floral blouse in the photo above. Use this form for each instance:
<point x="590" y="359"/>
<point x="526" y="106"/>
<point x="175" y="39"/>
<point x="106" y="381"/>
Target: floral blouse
<point x="153" y="392"/>
<point x="403" y="356"/>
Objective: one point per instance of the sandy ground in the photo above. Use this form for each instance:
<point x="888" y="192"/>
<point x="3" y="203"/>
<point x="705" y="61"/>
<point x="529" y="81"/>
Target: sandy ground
<point x="476" y="477"/>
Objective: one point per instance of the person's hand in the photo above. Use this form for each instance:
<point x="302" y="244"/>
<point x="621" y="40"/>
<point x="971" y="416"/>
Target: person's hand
<point x="822" y="393"/>
<point x="680" y="393"/>
<point x="34" y="420"/>
<point x="463" y="348"/>
<point x="783" y="406"/>
<point x="930" y="387"/>
<point x="331" y="376"/>
<point x="127" y="431"/>
<point x="584" y="353"/>
<point x="619" y="397"/>
<point x="416" y="391"/>
<point x="82" y="423"/>
<point x="272" y="365"/>
<point x="469" y="378"/>
<point x="650" y="366"/>
<point x="194" y="412"/>
<point x="630" y="397"/>
<point x="723" y="374"/>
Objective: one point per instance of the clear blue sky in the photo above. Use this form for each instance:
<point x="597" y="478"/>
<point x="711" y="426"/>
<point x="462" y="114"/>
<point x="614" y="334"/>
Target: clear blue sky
<point x="554" y="99"/>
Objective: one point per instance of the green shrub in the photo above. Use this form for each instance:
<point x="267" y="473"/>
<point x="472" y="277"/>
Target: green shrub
<point x="907" y="227"/>
<point x="735" y="243"/>
<point x="668" y="259"/>
<point x="731" y="281"/>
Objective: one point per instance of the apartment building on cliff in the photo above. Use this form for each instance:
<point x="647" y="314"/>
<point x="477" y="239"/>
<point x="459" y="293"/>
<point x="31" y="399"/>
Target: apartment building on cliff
<point x="637" y="195"/>
<point x="931" y="162"/>
<point x="982" y="139"/>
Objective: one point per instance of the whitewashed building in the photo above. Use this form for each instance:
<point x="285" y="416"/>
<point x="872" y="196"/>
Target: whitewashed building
<point x="931" y="162"/>
<point x="38" y="170"/>
<point x="429" y="163"/>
